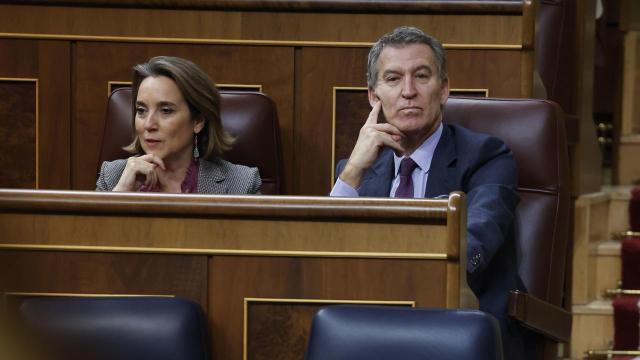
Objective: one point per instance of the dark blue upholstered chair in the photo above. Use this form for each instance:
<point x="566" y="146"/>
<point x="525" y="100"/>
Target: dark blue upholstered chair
<point x="97" y="328"/>
<point x="344" y="332"/>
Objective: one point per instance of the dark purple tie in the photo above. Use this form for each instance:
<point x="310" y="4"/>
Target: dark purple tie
<point x="405" y="189"/>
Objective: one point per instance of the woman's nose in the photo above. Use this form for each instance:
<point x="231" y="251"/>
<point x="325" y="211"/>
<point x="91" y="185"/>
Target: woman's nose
<point x="151" y="122"/>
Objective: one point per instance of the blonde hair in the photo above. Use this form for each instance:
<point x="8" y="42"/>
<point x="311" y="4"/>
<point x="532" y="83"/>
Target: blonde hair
<point x="199" y="92"/>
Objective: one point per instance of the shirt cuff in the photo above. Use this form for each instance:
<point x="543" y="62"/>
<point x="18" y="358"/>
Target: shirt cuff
<point x="341" y="188"/>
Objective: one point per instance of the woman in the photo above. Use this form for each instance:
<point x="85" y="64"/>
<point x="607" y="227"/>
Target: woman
<point x="177" y="125"/>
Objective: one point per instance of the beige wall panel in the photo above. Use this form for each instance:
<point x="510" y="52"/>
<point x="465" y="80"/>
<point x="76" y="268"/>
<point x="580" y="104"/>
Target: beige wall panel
<point x="590" y="332"/>
<point x="628" y="164"/>
<point x="607" y="274"/>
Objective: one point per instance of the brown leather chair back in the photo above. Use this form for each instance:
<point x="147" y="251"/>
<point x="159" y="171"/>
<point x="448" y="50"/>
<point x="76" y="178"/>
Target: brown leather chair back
<point x="534" y="130"/>
<point x="249" y="116"/>
<point x="556" y="51"/>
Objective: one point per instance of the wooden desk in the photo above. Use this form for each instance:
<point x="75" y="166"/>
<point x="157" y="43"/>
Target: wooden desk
<point x="260" y="266"/>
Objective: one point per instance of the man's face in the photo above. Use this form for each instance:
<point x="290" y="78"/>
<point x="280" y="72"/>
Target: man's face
<point x="410" y="89"/>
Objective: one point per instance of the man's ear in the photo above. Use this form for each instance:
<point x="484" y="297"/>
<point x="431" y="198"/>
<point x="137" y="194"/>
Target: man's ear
<point x="445" y="92"/>
<point x="373" y="98"/>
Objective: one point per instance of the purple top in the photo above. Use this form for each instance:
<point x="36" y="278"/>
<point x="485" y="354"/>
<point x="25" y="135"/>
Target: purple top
<point x="189" y="184"/>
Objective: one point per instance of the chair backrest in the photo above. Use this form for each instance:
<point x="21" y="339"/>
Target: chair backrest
<point x="384" y="332"/>
<point x="250" y="117"/>
<point x="534" y="130"/>
<point x="116" y="327"/>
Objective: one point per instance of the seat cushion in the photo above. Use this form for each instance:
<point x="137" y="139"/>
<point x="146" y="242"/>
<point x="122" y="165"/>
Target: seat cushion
<point x="117" y="327"/>
<point x="374" y="332"/>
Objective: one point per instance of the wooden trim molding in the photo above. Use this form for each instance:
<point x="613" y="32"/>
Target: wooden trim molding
<point x="91" y="202"/>
<point x="239" y="87"/>
<point x="47" y="294"/>
<point x="609" y="354"/>
<point x="361" y="6"/>
<point x="269" y="226"/>
<point x="230" y="252"/>
<point x="139" y="39"/>
<point x="111" y="83"/>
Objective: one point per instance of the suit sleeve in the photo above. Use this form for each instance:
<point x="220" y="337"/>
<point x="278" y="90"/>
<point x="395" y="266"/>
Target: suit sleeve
<point x="256" y="182"/>
<point x="491" y="203"/>
<point x="101" y="183"/>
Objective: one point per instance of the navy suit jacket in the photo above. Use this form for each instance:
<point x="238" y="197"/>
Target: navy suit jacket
<point x="484" y="168"/>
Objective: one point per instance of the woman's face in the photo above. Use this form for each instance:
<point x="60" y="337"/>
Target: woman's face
<point x="163" y="121"/>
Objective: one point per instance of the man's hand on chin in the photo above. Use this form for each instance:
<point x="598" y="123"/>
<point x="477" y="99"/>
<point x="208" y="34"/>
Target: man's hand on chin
<point x="372" y="139"/>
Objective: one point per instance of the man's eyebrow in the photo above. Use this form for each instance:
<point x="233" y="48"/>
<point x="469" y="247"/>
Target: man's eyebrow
<point x="423" y="67"/>
<point x="419" y="68"/>
<point x="390" y="71"/>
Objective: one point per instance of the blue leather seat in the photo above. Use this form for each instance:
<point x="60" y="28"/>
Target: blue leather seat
<point x="344" y="332"/>
<point x="121" y="328"/>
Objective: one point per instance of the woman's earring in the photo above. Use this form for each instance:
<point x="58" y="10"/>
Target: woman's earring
<point x="196" y="152"/>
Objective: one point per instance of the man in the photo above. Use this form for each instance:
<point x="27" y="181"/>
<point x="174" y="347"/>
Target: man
<point x="413" y="154"/>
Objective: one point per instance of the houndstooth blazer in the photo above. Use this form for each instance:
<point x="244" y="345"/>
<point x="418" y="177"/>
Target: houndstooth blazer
<point x="214" y="177"/>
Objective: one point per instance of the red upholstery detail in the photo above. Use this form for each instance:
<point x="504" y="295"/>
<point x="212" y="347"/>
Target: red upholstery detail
<point x="625" y="320"/>
<point x="630" y="253"/>
<point x="634" y="210"/>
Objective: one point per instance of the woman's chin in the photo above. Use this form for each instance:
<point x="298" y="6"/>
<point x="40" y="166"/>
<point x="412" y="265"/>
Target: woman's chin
<point x="155" y="153"/>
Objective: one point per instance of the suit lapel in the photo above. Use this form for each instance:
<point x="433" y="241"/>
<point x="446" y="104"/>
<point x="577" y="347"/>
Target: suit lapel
<point x="377" y="181"/>
<point x="442" y="170"/>
<point x="211" y="179"/>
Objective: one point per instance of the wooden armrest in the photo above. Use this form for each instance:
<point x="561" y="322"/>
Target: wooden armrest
<point x="540" y="316"/>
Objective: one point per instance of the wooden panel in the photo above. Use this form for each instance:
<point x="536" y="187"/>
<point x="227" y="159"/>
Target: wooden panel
<point x="18" y="124"/>
<point x="299" y="249"/>
<point x="498" y="71"/>
<point x="104" y="273"/>
<point x="351" y="106"/>
<point x="99" y="63"/>
<point x="49" y="63"/>
<point x="306" y="279"/>
<point x="629" y="15"/>
<point x="225" y="235"/>
<point x="324" y="69"/>
<point x="478" y="6"/>
<point x="257" y="25"/>
<point x="278" y="328"/>
<point x="495" y="70"/>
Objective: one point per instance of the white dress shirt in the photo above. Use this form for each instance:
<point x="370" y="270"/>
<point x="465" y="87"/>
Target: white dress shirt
<point x="422" y="156"/>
